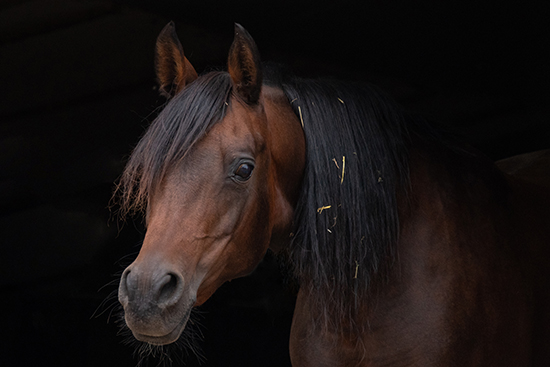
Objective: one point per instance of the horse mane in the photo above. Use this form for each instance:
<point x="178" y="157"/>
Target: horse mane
<point x="181" y="123"/>
<point x="346" y="224"/>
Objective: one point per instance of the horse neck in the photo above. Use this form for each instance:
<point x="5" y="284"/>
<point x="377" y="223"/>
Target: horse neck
<point x="450" y="225"/>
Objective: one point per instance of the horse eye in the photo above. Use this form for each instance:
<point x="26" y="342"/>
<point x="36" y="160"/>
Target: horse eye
<point x="244" y="171"/>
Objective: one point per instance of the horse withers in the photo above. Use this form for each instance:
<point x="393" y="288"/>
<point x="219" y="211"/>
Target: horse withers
<point x="409" y="248"/>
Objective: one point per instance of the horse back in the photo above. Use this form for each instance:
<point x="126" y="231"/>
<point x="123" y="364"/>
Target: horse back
<point x="528" y="176"/>
<point x="532" y="167"/>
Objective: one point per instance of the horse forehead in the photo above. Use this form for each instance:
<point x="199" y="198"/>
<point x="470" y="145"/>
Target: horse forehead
<point x="242" y="122"/>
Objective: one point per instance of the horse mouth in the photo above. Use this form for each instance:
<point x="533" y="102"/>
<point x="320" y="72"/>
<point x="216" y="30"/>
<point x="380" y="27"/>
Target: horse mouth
<point x="169" y="338"/>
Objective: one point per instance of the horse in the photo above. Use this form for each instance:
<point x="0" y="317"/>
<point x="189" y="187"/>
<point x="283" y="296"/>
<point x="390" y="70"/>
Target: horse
<point x="410" y="248"/>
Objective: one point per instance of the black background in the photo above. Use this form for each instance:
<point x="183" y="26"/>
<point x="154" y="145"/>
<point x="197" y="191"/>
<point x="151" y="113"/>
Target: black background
<point x="77" y="90"/>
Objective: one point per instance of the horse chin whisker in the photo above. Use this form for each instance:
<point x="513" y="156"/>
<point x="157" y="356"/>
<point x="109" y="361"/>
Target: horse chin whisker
<point x="187" y="346"/>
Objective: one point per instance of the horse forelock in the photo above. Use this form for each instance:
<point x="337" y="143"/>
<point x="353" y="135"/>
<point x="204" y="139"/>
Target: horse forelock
<point x="183" y="121"/>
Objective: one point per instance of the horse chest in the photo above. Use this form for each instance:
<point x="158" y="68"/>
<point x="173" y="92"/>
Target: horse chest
<point x="390" y="340"/>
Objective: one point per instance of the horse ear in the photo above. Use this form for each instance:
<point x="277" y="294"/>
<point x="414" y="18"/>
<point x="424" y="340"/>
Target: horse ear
<point x="244" y="66"/>
<point x="174" y="71"/>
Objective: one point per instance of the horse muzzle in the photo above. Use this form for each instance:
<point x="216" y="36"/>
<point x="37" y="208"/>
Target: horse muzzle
<point x="156" y="303"/>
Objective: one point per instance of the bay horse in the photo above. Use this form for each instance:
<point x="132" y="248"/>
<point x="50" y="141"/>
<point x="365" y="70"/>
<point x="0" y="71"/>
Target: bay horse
<point x="410" y="248"/>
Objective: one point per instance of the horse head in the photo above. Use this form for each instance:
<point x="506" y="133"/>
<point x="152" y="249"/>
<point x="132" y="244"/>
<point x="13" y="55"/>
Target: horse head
<point x="214" y="208"/>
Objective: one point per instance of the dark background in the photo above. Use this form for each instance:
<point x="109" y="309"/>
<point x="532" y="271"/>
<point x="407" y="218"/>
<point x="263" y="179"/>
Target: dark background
<point x="77" y="90"/>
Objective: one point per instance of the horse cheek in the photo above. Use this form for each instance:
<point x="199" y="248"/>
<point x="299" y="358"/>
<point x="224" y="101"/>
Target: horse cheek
<point x="257" y="237"/>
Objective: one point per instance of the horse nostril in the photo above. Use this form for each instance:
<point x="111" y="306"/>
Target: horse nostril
<point x="170" y="290"/>
<point x="123" y="289"/>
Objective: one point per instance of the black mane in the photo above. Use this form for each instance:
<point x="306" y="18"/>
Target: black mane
<point x="346" y="220"/>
